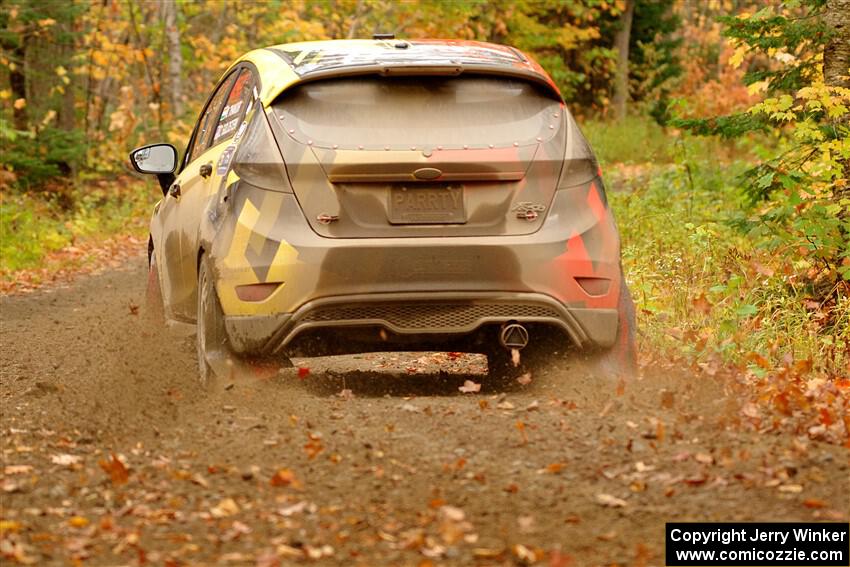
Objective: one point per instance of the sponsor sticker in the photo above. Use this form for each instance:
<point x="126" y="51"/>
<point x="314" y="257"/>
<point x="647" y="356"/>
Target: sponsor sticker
<point x="225" y="159"/>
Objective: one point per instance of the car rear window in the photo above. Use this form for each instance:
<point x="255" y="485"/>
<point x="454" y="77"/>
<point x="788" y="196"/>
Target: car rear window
<point x="419" y="112"/>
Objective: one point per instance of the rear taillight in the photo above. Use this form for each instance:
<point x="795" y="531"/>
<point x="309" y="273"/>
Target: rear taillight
<point x="258" y="160"/>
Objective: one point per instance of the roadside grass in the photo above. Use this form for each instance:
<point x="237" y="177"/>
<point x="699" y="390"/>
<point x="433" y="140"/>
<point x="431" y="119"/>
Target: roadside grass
<point x="35" y="225"/>
<point x="707" y="289"/>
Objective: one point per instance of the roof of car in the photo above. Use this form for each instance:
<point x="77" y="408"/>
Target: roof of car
<point x="282" y="66"/>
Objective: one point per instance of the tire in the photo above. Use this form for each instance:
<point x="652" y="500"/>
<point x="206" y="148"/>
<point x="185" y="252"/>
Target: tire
<point x="212" y="343"/>
<point x="154" y="306"/>
<point x="621" y="359"/>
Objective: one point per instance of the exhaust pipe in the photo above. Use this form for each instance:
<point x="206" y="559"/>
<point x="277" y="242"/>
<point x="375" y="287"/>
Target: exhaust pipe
<point x="513" y="336"/>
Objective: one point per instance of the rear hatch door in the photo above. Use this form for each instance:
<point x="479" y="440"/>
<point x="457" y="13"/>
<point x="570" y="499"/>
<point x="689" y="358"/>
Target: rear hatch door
<point x="371" y="156"/>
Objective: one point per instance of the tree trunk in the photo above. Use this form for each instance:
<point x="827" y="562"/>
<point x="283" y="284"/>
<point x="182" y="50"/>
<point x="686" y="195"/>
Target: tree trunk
<point x="836" y="54"/>
<point x="621" y="44"/>
<point x="836" y="69"/>
<point x="175" y="57"/>
<point x="18" y="83"/>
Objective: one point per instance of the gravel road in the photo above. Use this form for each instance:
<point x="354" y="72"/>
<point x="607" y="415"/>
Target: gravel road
<point x="112" y="454"/>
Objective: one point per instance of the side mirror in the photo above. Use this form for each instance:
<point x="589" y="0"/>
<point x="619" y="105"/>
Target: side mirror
<point x="156" y="159"/>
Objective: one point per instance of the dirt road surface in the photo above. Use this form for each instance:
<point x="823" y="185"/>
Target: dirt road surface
<point x="112" y="454"/>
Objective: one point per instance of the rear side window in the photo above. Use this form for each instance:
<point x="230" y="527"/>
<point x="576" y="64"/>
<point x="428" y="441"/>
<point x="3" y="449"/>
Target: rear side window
<point x="421" y="112"/>
<point x="208" y="122"/>
<point x="235" y="107"/>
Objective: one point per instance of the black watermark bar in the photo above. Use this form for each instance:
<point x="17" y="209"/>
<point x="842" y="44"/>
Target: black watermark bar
<point x="809" y="544"/>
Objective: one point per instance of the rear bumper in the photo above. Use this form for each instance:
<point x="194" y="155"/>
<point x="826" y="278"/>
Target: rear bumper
<point x="427" y="316"/>
<point x="420" y="286"/>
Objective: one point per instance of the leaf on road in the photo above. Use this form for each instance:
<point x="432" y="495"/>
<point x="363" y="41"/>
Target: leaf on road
<point x="610" y="501"/>
<point x="313" y="446"/>
<point x="285" y="477"/>
<point x="525" y="379"/>
<point x="470" y="387"/>
<point x="704" y="458"/>
<point x="115" y="469"/>
<point x="226" y="507"/>
<point x="65" y="459"/>
<point x="552" y="468"/>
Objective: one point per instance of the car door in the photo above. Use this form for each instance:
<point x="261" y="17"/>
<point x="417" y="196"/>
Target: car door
<point x="199" y="181"/>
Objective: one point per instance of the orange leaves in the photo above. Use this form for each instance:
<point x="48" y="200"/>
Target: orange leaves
<point x="313" y="446"/>
<point x="553" y="468"/>
<point x="520" y="426"/>
<point x="701" y="304"/>
<point x="116" y="470"/>
<point x="285" y="478"/>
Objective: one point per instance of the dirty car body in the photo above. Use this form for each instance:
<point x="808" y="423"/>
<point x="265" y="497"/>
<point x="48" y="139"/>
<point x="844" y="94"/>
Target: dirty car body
<point x="361" y="195"/>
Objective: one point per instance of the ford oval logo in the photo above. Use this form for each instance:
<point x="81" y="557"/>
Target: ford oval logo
<point x="427" y="173"/>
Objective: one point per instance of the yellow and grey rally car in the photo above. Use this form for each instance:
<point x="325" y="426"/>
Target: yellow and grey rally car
<point x="373" y="195"/>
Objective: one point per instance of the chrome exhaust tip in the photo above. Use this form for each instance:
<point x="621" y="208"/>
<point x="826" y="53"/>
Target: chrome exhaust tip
<point x="513" y="336"/>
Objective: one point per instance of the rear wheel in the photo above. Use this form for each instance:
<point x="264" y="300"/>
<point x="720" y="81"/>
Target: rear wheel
<point x="212" y="343"/>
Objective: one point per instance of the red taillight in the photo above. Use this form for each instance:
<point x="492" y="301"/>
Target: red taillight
<point x="256" y="292"/>
<point x="594" y="286"/>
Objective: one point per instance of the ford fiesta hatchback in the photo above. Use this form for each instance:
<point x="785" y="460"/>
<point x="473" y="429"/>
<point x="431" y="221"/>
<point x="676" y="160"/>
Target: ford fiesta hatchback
<point x="374" y="195"/>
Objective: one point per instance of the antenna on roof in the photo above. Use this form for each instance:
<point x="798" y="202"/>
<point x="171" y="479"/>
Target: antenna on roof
<point x="383" y="36"/>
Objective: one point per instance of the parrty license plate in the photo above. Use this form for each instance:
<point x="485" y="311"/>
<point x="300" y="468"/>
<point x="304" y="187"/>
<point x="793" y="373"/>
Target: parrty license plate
<point x="420" y="203"/>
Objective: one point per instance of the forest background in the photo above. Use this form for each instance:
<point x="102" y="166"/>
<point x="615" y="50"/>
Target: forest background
<point x="721" y="127"/>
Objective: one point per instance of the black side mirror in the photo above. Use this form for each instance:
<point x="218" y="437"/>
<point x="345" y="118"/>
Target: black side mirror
<point x="156" y="159"/>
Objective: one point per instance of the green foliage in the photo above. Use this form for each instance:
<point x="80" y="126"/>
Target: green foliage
<point x="730" y="127"/>
<point x="38" y="157"/>
<point x="798" y="189"/>
<point x="654" y="62"/>
<point x="794" y="32"/>
<point x="630" y="140"/>
<point x="33" y="225"/>
<point x="703" y="270"/>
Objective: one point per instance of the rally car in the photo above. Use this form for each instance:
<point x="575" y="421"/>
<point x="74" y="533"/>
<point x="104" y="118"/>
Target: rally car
<point x="374" y="195"/>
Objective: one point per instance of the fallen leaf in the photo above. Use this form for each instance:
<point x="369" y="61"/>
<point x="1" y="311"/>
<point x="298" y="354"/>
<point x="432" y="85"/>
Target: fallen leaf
<point x="65" y="459"/>
<point x="701" y="304"/>
<point x="610" y="501"/>
<point x="78" y="522"/>
<point x="553" y="468"/>
<point x="814" y="503"/>
<point x="525" y="379"/>
<point x="470" y="387"/>
<point x="226" y="507"/>
<point x="285" y="477"/>
<point x="303" y="372"/>
<point x="520" y="426"/>
<point x="17" y="469"/>
<point x="313" y="446"/>
<point x="704" y="458"/>
<point x="115" y="469"/>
